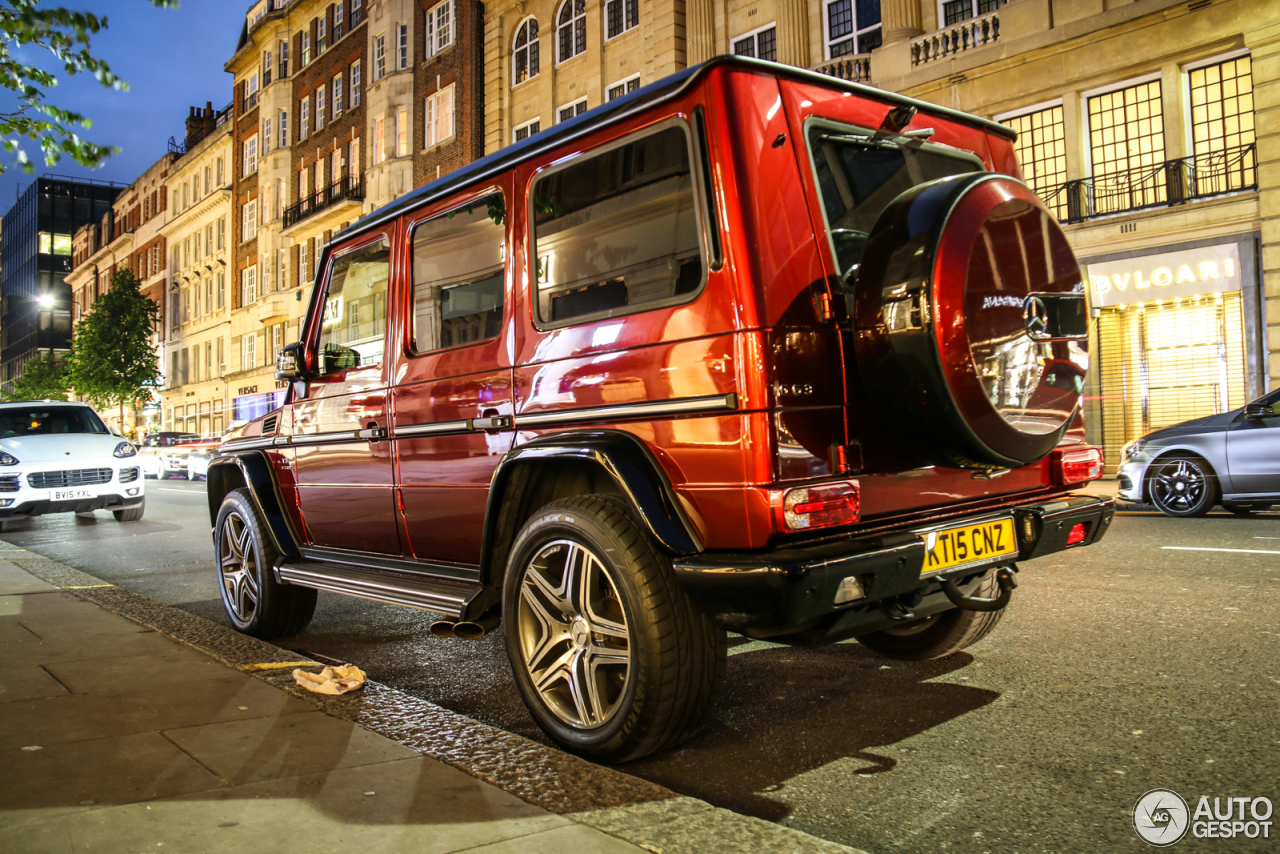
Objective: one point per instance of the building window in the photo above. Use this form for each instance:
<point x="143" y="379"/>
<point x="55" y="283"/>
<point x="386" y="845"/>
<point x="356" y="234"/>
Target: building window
<point x="220" y="172"/>
<point x="355" y="84"/>
<point x="250" y="160"/>
<point x="439" y="27"/>
<point x="379" y="141"/>
<point x="379" y="58"/>
<point x="248" y="345"/>
<point x="283" y="51"/>
<point x="284" y="128"/>
<point x="439" y="116"/>
<point x="208" y="179"/>
<point x="402" y="131"/>
<point x="222" y="232"/>
<point x="402" y="47"/>
<point x="357" y="12"/>
<point x="266" y="146"/>
<point x="302" y="183"/>
<point x="337" y="20"/>
<point x="354" y="159"/>
<point x="249" y="221"/>
<point x="306" y="47"/>
<point x="852" y="27"/>
<point x="955" y="11"/>
<point x="761" y="43"/>
<point x="304" y="118"/>
<point x="337" y="94"/>
<point x="1042" y="154"/>
<point x="322" y="35"/>
<point x="577" y="108"/>
<point x="1126" y="145"/>
<point x="528" y="129"/>
<point x="617" y="90"/>
<point x="1222" y="126"/>
<point x="266" y="68"/>
<point x="320" y="108"/>
<point x="525" y="56"/>
<point x="620" y="16"/>
<point x="571" y="29"/>
<point x="337" y="165"/>
<point x="250" y="94"/>
<point x="249" y="282"/>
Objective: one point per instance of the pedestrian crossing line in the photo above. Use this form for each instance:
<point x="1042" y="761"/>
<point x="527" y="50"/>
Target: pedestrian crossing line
<point x="1208" y="549"/>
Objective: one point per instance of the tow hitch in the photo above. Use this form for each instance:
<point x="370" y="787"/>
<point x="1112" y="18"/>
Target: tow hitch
<point x="1004" y="579"/>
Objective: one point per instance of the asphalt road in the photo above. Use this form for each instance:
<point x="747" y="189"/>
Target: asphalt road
<point x="1144" y="662"/>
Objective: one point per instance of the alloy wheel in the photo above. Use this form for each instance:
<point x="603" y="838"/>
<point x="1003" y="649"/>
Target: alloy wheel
<point x="239" y="567"/>
<point x="1179" y="486"/>
<point x="573" y="634"/>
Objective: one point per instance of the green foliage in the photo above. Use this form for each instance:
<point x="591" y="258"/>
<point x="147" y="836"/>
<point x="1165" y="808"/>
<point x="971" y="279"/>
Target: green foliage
<point x="43" y="377"/>
<point x="65" y="34"/>
<point x="112" y="360"/>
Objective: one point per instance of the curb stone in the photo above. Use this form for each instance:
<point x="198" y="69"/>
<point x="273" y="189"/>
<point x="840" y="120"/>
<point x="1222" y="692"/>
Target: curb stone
<point x="629" y="808"/>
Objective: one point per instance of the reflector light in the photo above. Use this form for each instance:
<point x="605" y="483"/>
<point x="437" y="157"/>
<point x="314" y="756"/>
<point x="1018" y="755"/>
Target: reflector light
<point x="1078" y="465"/>
<point x="1078" y="533"/>
<point x="810" y="507"/>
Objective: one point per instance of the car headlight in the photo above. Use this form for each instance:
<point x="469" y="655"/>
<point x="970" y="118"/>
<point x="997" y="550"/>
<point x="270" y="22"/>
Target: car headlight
<point x="8" y="459"/>
<point x="125" y="449"/>
<point x="1131" y="450"/>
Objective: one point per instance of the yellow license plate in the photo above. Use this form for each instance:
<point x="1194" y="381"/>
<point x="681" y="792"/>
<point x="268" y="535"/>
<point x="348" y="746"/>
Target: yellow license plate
<point x="983" y="542"/>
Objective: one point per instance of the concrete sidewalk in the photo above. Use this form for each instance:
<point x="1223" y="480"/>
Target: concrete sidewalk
<point x="161" y="731"/>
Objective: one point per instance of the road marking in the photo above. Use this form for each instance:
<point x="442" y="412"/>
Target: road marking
<point x="280" y="665"/>
<point x="88" y="587"/>
<point x="171" y="489"/>
<point x="1207" y="549"/>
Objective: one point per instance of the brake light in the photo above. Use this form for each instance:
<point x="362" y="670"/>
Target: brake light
<point x="1077" y="534"/>
<point x="1078" y="465"/>
<point x="808" y="507"/>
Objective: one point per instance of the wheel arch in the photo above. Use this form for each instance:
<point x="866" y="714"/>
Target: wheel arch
<point x="565" y="464"/>
<point x="251" y="470"/>
<point x="1180" y="451"/>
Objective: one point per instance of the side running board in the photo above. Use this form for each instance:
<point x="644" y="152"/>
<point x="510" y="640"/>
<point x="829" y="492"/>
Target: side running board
<point x="451" y="598"/>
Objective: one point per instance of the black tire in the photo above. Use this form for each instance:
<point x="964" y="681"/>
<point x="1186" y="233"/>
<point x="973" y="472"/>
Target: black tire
<point x="255" y="602"/>
<point x="592" y="702"/>
<point x="1182" y="486"/>
<point x="130" y="514"/>
<point x="938" y="635"/>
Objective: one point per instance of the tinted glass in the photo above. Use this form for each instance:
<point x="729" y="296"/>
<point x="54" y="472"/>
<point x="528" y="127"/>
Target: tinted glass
<point x="49" y="420"/>
<point x="617" y="232"/>
<point x="353" y="331"/>
<point x="458" y="281"/>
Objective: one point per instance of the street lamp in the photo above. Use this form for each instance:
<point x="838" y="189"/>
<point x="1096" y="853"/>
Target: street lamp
<point x="45" y="300"/>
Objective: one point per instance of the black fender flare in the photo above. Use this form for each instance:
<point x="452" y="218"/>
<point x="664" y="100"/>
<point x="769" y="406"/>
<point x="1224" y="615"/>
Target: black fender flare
<point x="255" y="471"/>
<point x="625" y="459"/>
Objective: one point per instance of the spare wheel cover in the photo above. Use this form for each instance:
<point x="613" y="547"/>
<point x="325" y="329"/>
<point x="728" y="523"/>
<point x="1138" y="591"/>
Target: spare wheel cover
<point x="941" y="306"/>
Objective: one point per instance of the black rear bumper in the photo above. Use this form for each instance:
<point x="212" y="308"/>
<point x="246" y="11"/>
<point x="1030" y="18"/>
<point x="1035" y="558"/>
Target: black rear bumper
<point x="788" y="594"/>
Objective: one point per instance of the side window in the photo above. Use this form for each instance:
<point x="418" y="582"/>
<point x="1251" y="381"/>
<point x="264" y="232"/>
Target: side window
<point x="458" y="281"/>
<point x="353" y="330"/>
<point x="617" y="232"/>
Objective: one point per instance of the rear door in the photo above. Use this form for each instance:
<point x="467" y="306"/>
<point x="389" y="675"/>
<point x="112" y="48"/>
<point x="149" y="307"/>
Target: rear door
<point x="453" y="398"/>
<point x="1253" y="452"/>
<point x="342" y="458"/>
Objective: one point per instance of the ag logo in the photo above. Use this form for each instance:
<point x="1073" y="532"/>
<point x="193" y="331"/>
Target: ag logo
<point x="1161" y="817"/>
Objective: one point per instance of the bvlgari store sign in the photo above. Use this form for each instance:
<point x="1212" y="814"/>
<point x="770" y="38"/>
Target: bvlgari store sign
<point x="1188" y="273"/>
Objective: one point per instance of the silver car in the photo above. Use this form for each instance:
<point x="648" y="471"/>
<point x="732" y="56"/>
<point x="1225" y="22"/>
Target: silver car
<point x="1232" y="459"/>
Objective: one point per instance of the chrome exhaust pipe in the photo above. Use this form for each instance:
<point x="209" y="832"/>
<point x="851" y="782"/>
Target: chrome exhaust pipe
<point x="443" y="629"/>
<point x="476" y="629"/>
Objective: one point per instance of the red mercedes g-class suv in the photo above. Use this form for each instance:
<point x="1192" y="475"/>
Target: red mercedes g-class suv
<point x="750" y="349"/>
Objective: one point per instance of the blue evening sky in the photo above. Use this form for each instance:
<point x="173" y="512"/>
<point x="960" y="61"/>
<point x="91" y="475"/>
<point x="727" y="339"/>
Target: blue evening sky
<point x="172" y="60"/>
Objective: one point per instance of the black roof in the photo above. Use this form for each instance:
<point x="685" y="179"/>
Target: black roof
<point x="634" y="102"/>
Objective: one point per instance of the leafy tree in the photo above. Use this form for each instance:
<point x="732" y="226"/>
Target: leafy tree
<point x="43" y="377"/>
<point x="112" y="360"/>
<point x="65" y="34"/>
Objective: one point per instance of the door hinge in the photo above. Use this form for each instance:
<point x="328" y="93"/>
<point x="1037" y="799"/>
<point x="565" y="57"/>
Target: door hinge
<point x="822" y="304"/>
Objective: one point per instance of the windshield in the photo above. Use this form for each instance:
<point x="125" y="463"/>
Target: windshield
<point x="858" y="176"/>
<point x="45" y="420"/>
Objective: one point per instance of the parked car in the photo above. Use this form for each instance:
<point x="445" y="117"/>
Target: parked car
<point x="59" y="457"/>
<point x="164" y="461"/>
<point x="198" y="456"/>
<point x="1232" y="459"/>
<point x="751" y="349"/>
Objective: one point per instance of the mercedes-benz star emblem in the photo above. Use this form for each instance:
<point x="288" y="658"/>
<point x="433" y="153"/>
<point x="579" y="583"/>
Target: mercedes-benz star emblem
<point x="1035" y="317"/>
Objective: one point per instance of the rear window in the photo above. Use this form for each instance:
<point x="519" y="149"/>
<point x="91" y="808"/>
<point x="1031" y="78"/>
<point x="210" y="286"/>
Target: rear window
<point x="617" y="232"/>
<point x="49" y="420"/>
<point x="859" y="175"/>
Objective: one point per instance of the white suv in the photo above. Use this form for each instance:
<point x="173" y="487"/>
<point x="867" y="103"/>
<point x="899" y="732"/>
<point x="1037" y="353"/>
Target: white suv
<point x="58" y="457"/>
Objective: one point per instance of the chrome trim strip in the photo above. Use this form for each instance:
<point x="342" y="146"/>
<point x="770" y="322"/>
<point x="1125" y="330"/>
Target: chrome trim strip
<point x="247" y="444"/>
<point x="448" y="605"/>
<point x="430" y="429"/>
<point x="648" y="409"/>
<point x="327" y="438"/>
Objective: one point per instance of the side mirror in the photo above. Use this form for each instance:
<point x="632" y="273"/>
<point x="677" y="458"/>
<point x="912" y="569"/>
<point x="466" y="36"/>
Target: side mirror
<point x="115" y="431"/>
<point x="1259" y="410"/>
<point x="290" y="363"/>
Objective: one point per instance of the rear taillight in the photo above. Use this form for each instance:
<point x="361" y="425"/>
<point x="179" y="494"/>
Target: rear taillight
<point x="808" y="507"/>
<point x="1077" y="533"/>
<point x="1078" y="465"/>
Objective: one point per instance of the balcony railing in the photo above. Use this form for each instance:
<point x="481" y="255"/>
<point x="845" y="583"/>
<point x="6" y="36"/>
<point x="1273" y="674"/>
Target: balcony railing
<point x="956" y="38"/>
<point x="347" y="188"/>
<point x="1173" y="182"/>
<point x="855" y="67"/>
